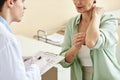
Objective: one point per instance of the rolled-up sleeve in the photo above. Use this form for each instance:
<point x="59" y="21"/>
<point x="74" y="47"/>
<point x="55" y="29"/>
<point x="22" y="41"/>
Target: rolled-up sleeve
<point x="108" y="32"/>
<point x="66" y="44"/>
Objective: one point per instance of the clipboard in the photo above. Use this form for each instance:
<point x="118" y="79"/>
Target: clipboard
<point x="47" y="60"/>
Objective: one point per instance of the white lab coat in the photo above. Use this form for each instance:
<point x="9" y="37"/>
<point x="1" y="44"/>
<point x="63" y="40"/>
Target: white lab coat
<point x="11" y="63"/>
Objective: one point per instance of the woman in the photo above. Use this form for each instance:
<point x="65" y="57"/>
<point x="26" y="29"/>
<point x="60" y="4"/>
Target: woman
<point x="11" y="63"/>
<point x="89" y="44"/>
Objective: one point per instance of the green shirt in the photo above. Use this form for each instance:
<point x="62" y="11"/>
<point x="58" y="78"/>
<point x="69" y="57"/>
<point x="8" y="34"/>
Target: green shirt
<point x="105" y="65"/>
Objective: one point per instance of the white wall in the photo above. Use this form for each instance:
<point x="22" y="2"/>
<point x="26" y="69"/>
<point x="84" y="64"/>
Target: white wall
<point x="44" y="14"/>
<point x="50" y="14"/>
<point x="109" y="4"/>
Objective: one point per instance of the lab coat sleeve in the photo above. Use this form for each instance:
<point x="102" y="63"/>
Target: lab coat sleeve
<point x="11" y="63"/>
<point x="33" y="72"/>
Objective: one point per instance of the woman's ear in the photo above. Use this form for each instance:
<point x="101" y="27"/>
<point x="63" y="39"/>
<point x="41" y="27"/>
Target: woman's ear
<point x="10" y="3"/>
<point x="94" y="2"/>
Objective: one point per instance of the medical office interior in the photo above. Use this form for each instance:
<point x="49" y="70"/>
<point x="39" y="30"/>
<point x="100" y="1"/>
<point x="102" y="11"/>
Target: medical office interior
<point x="49" y="17"/>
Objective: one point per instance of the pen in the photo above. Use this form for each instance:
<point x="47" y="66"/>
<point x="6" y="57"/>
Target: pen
<point x="39" y="57"/>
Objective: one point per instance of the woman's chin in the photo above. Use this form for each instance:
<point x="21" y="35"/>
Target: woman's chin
<point x="81" y="11"/>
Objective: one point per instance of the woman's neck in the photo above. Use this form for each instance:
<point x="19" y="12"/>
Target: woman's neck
<point x="86" y="16"/>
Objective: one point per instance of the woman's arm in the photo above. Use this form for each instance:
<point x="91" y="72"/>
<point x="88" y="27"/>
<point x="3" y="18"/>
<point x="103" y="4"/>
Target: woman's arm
<point x="93" y="33"/>
<point x="78" y="40"/>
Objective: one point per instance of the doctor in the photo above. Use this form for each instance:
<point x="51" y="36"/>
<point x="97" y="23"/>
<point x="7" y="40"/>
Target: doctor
<point x="11" y="63"/>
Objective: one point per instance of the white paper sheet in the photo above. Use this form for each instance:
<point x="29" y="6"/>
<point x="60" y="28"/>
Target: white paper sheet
<point x="47" y="61"/>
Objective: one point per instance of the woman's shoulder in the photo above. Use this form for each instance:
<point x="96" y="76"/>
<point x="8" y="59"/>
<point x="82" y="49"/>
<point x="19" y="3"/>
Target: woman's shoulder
<point x="74" y="18"/>
<point x="108" y="16"/>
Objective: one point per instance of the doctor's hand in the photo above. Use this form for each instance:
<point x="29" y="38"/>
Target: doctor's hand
<point x="78" y="40"/>
<point x="25" y="58"/>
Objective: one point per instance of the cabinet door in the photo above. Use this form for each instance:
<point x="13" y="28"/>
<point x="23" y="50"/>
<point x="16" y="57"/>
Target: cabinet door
<point x="50" y="74"/>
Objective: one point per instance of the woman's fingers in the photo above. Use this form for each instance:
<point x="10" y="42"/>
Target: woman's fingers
<point x="79" y="39"/>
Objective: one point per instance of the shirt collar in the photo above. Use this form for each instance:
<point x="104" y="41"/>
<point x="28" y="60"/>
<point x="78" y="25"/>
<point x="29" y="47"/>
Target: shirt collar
<point x="5" y="23"/>
<point x="78" y="19"/>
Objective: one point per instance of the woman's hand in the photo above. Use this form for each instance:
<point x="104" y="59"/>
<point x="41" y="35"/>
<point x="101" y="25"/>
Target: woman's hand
<point x="93" y="33"/>
<point x="79" y="39"/>
<point x="97" y="12"/>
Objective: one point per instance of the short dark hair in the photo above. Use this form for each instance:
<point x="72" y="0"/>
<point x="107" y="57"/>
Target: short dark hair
<point x="1" y="4"/>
